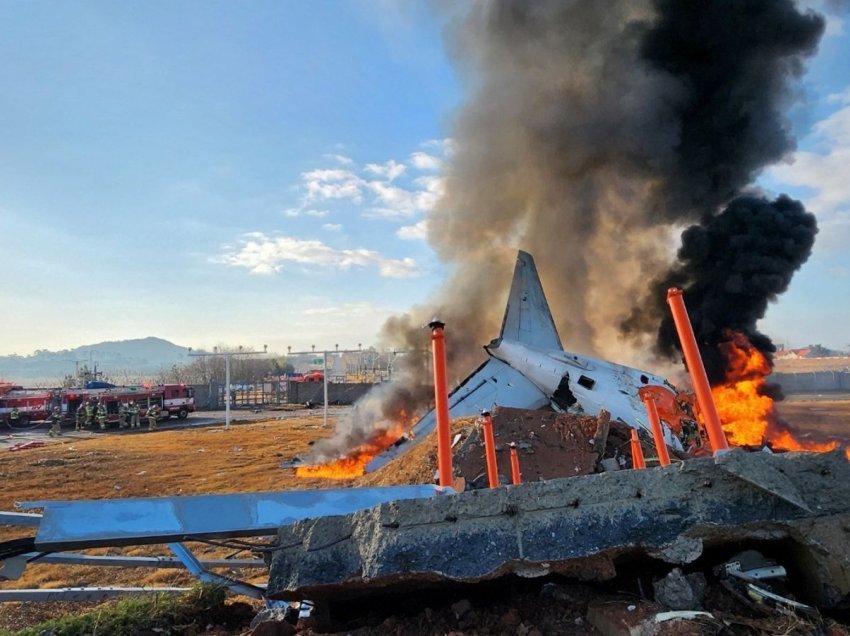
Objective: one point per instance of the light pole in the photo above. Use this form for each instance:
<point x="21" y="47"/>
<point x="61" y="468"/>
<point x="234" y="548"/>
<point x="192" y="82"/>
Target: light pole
<point x="227" y="355"/>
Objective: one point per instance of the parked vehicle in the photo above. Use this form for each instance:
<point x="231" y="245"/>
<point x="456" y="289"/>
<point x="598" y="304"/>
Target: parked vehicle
<point x="34" y="405"/>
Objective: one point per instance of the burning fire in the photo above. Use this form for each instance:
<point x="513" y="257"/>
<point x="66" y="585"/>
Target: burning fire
<point x="746" y="410"/>
<point x="354" y="463"/>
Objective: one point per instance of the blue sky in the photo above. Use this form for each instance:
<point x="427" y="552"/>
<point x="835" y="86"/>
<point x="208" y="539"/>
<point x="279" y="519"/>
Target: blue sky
<point x="259" y="172"/>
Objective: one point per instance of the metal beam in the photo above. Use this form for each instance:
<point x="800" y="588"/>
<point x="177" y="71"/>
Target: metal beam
<point x="205" y="576"/>
<point x="70" y="558"/>
<point x="24" y="519"/>
<point x="84" y="593"/>
<point x="72" y="525"/>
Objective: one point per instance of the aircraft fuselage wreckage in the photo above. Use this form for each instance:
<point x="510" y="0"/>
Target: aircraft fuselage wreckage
<point x="528" y="368"/>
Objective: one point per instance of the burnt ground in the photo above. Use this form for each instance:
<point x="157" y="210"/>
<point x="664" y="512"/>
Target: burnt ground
<point x="248" y="458"/>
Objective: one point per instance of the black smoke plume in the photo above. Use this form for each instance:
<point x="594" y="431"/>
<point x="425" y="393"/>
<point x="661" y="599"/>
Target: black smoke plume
<point x="731" y="266"/>
<point x="594" y="132"/>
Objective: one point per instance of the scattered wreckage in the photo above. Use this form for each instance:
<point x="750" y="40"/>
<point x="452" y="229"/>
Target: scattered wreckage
<point x="585" y="521"/>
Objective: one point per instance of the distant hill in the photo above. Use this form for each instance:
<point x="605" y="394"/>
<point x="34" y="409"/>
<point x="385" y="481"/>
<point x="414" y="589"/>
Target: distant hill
<point x="139" y="357"/>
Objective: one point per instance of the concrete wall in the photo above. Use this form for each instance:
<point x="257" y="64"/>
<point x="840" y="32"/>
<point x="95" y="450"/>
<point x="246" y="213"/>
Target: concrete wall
<point x="813" y="382"/>
<point x="211" y="396"/>
<point x="338" y="392"/>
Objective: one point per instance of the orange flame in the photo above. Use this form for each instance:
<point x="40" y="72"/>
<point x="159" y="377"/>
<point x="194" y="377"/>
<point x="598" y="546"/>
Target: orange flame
<point x="354" y="463"/>
<point x="747" y="412"/>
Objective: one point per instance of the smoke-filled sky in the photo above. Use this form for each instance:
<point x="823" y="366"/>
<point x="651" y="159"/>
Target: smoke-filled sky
<point x="269" y="173"/>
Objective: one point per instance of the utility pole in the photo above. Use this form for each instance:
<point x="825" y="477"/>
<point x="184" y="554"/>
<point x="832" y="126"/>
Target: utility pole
<point x="325" y="381"/>
<point x="227" y="355"/>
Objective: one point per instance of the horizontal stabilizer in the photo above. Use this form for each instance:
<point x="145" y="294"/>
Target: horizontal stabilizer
<point x="527" y="316"/>
<point x="494" y="383"/>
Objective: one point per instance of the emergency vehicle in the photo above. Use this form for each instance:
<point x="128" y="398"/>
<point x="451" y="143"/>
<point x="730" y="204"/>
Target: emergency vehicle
<point x="35" y="405"/>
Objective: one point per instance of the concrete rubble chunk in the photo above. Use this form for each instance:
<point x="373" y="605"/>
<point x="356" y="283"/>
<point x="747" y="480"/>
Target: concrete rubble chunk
<point x="580" y="527"/>
<point x="272" y="621"/>
<point x="679" y="591"/>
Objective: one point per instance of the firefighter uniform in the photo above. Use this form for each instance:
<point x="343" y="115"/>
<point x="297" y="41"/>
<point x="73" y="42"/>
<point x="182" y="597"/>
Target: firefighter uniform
<point x="122" y="416"/>
<point x="89" y="414"/>
<point x="14" y="417"/>
<point x="153" y="411"/>
<point x="133" y="409"/>
<point x="56" y="422"/>
<point x="101" y="416"/>
<point x="81" y="417"/>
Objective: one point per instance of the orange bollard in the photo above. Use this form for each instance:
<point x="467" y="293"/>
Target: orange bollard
<point x="490" y="449"/>
<point x="441" y="404"/>
<point x="716" y="436"/>
<point x="657" y="432"/>
<point x="637" y="452"/>
<point x="515" y="474"/>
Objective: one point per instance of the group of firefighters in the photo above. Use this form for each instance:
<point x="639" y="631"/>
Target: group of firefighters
<point x="93" y="411"/>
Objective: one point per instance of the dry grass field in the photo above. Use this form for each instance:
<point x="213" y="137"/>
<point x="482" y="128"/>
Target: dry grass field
<point x="805" y="365"/>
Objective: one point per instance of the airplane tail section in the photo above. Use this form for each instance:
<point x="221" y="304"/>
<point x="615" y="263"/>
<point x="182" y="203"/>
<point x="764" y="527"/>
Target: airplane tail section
<point x="527" y="316"/>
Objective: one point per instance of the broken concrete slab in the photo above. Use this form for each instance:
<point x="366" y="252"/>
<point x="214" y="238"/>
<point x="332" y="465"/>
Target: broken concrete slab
<point x="577" y="526"/>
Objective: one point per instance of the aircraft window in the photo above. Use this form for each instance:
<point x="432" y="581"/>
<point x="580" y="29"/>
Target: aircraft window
<point x="644" y="379"/>
<point x="586" y="382"/>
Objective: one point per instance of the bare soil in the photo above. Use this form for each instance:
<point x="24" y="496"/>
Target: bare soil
<point x="818" y="415"/>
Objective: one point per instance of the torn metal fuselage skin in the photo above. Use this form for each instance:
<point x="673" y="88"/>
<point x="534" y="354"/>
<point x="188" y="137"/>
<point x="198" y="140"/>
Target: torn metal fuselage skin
<point x="528" y="368"/>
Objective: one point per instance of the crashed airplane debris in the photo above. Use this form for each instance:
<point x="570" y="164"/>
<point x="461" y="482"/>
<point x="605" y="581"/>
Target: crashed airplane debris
<point x="528" y="368"/>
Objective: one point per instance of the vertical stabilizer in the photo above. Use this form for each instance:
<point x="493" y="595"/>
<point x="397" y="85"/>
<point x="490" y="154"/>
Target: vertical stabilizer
<point x="527" y="316"/>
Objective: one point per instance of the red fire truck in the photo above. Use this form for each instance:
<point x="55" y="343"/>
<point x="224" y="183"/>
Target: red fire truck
<point x="35" y="405"/>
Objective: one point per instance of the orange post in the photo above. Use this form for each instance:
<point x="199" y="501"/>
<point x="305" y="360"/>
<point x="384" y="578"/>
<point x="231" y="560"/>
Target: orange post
<point x="637" y="452"/>
<point x="441" y="404"/>
<point x="657" y="432"/>
<point x="490" y="449"/>
<point x="515" y="474"/>
<point x="716" y="437"/>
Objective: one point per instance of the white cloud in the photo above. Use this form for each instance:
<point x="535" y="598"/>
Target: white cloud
<point x="340" y="159"/>
<point x="396" y="202"/>
<point x="294" y="212"/>
<point x="839" y="98"/>
<point x="417" y="232"/>
<point x="325" y="184"/>
<point x="263" y="254"/>
<point x="343" y="311"/>
<point x="824" y="171"/>
<point x="834" y="232"/>
<point x="424" y="161"/>
<point x="389" y="170"/>
<point x="332" y="227"/>
<point x="446" y="147"/>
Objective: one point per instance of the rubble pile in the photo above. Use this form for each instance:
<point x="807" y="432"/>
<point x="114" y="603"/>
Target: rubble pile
<point x="588" y="527"/>
<point x="550" y="445"/>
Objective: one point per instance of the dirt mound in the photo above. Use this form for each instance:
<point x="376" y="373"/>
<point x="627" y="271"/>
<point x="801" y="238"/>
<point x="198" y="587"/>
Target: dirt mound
<point x="549" y="445"/>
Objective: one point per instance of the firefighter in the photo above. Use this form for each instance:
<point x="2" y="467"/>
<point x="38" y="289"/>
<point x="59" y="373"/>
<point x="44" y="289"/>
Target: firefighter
<point x="14" y="417"/>
<point x="133" y="409"/>
<point x="81" y="417"/>
<point x="56" y="422"/>
<point x="153" y="411"/>
<point x="101" y="416"/>
<point x="122" y="416"/>
<point x="89" y="414"/>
